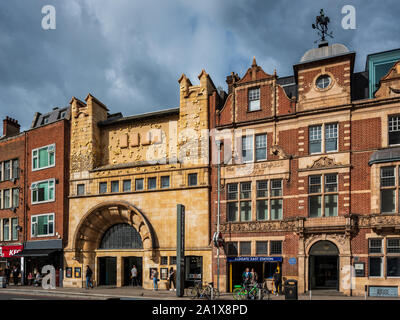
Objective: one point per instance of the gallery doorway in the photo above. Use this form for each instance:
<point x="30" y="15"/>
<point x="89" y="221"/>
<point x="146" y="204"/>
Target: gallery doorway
<point x="129" y="262"/>
<point x="324" y="266"/>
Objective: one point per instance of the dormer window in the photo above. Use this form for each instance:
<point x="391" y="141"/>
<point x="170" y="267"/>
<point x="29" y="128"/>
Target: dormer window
<point x="45" y="120"/>
<point x="254" y="99"/>
<point x="323" y="81"/>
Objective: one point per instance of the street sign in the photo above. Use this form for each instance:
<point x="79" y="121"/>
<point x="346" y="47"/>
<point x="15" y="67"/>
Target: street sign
<point x="254" y="259"/>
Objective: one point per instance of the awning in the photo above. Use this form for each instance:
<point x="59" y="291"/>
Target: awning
<point x="35" y="253"/>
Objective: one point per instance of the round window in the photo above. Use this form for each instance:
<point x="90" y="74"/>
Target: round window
<point x="323" y="81"/>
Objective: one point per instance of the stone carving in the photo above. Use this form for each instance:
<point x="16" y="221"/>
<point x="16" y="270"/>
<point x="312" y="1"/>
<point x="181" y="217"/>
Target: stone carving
<point x="323" y="162"/>
<point x="278" y="151"/>
<point x="376" y="221"/>
<point x="397" y="91"/>
<point x="259" y="226"/>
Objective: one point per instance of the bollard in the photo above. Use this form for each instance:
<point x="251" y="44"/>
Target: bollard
<point x="259" y="294"/>
<point x="212" y="293"/>
<point x="310" y="295"/>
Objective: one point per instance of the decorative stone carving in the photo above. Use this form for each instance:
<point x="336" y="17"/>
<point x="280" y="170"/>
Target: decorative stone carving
<point x="277" y="150"/>
<point x="323" y="162"/>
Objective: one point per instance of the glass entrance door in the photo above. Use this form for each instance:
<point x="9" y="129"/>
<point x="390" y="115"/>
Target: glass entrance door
<point x="324" y="272"/>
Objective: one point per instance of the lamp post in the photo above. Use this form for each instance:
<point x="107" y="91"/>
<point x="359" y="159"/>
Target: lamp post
<point x="218" y="143"/>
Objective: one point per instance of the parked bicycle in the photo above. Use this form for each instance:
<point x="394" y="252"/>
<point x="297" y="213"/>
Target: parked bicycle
<point x="251" y="292"/>
<point x="200" y="291"/>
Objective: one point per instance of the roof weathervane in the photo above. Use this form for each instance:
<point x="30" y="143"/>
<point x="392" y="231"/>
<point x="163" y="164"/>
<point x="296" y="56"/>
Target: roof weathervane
<point x="321" y="24"/>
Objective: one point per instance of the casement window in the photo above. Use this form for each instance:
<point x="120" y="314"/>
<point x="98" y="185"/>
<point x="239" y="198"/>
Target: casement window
<point x="275" y="247"/>
<point x="260" y="151"/>
<point x="393" y="257"/>
<point x="43" y="191"/>
<point x="138" y="184"/>
<point x="232" y="248"/>
<point x="394" y="130"/>
<point x="389" y="189"/>
<point x="80" y="189"/>
<point x="6" y="199"/>
<point x="14" y="230"/>
<point x="375" y="266"/>
<point x="151" y="183"/>
<point x="269" y="205"/>
<point x="172" y="260"/>
<point x="323" y="138"/>
<point x="261" y="147"/>
<point x="114" y="186"/>
<point x="192" y="179"/>
<point x="323" y="198"/>
<point x="164" y="261"/>
<point x="7" y="170"/>
<point x="262" y="247"/>
<point x="254" y="99"/>
<point x="247" y="148"/>
<point x="375" y="246"/>
<point x="42" y="225"/>
<point x="43" y="157"/>
<point x="245" y="201"/>
<point x="15" y="197"/>
<point x="6" y="229"/>
<point x="102" y="187"/>
<point x="1" y="199"/>
<point x="126" y="185"/>
<point x="245" y="248"/>
<point x="165" y="182"/>
<point x="232" y="206"/>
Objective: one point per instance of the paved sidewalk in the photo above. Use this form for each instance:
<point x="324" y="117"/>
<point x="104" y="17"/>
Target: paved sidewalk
<point x="104" y="292"/>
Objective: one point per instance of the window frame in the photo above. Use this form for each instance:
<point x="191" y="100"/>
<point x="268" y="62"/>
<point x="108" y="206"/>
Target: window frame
<point x="194" y="174"/>
<point x="253" y="94"/>
<point x="324" y="139"/>
<point x="48" y="189"/>
<point x="102" y="183"/>
<point x="169" y="182"/>
<point x="323" y="193"/>
<point x="48" y="223"/>
<point x="139" y="179"/>
<point x="48" y="156"/>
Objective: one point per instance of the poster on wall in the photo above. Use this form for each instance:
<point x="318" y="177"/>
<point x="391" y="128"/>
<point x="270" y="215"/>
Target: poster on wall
<point x="77" y="272"/>
<point x="164" y="273"/>
<point x="68" y="272"/>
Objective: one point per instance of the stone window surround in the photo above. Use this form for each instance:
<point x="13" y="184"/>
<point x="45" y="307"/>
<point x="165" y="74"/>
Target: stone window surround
<point x="253" y="241"/>
<point x="323" y="151"/>
<point x="323" y="193"/>
<point x="382" y="255"/>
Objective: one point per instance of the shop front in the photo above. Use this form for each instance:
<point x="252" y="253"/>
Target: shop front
<point x="38" y="254"/>
<point x="8" y="258"/>
<point x="264" y="267"/>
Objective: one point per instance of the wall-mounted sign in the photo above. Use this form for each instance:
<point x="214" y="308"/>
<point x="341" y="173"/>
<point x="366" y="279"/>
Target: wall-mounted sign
<point x="292" y="261"/>
<point x="77" y="272"/>
<point x="68" y="272"/>
<point x="164" y="273"/>
<point x="383" y="291"/>
<point x="9" y="251"/>
<point x="359" y="268"/>
<point x="254" y="259"/>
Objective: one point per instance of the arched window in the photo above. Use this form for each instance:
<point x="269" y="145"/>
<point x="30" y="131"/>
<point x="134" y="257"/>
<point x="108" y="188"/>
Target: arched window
<point x="121" y="236"/>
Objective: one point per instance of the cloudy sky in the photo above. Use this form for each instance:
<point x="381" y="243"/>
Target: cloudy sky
<point x="130" y="53"/>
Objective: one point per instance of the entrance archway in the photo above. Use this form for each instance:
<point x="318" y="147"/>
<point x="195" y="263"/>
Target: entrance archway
<point x="324" y="266"/>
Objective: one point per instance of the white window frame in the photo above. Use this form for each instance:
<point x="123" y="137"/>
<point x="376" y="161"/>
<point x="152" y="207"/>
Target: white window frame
<point x="48" y="154"/>
<point x="46" y="235"/>
<point x="12" y="231"/>
<point x="391" y="129"/>
<point x="323" y="137"/>
<point x="254" y="95"/>
<point x="9" y="206"/>
<point x="36" y="183"/>
<point x="255" y="146"/>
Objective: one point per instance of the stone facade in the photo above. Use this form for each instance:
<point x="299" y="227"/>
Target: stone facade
<point x="111" y="149"/>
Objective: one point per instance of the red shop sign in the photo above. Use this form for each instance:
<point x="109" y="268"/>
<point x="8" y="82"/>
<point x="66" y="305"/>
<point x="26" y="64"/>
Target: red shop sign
<point x="9" y="251"/>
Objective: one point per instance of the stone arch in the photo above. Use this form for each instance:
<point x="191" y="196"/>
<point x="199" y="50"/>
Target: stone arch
<point x="338" y="241"/>
<point x="100" y="218"/>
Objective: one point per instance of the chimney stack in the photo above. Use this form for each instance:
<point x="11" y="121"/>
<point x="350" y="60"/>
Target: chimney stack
<point x="230" y="80"/>
<point x="10" y="127"/>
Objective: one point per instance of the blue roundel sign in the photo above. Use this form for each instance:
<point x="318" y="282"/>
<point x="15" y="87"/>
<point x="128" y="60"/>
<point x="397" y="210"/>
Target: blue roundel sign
<point x="292" y="261"/>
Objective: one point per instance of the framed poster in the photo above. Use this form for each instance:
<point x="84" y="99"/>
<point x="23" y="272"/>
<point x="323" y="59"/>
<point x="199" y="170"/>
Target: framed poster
<point x="359" y="268"/>
<point x="164" y="273"/>
<point x="68" y="272"/>
<point x="77" y="272"/>
<point x="151" y="273"/>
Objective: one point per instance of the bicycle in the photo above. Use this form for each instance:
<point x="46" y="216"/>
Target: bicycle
<point x="241" y="292"/>
<point x="198" y="291"/>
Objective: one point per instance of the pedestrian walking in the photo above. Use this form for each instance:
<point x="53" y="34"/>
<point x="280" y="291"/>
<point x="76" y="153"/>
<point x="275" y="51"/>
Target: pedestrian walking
<point x="89" y="274"/>
<point x="278" y="281"/>
<point x="171" y="279"/>
<point x="155" y="279"/>
<point x="134" y="274"/>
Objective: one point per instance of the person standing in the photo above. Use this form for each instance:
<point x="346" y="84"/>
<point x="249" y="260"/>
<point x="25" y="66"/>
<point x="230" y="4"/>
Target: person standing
<point x="7" y="273"/>
<point x="171" y="278"/>
<point x="278" y="281"/>
<point x="15" y="275"/>
<point x="246" y="277"/>
<point x="254" y="276"/>
<point x="134" y="274"/>
<point x="155" y="279"/>
<point x="89" y="274"/>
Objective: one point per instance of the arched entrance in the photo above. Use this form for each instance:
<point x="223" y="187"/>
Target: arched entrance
<point x="119" y="236"/>
<point x="324" y="266"/>
<point x="111" y="238"/>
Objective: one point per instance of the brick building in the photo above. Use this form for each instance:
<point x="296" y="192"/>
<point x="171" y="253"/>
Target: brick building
<point x="12" y="186"/>
<point x="46" y="191"/>
<point x="310" y="173"/>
